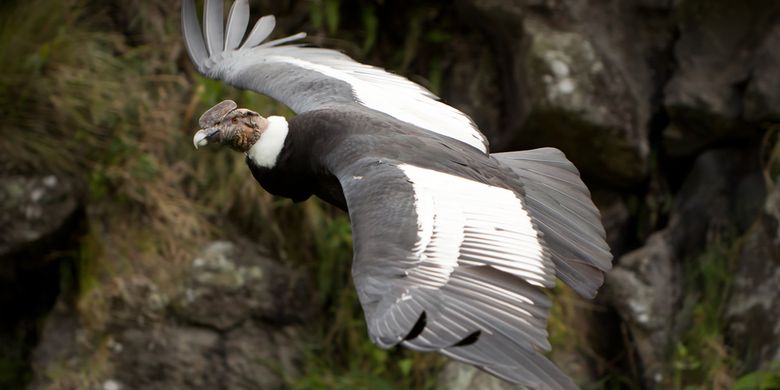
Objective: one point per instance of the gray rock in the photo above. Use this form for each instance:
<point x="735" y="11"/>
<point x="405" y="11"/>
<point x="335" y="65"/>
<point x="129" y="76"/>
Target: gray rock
<point x="762" y="97"/>
<point x="645" y="288"/>
<point x="753" y="312"/>
<point x="59" y="347"/>
<point x="38" y="217"/>
<point x="234" y="323"/>
<point x="32" y="209"/>
<point x="715" y="56"/>
<point x="461" y="376"/>
<point x="262" y="357"/>
<point x="138" y="348"/>
<point x="137" y="302"/>
<point x="230" y="283"/>
<point x="582" y="105"/>
<point x="502" y="23"/>
<point x="722" y="194"/>
<point x="471" y="86"/>
<point x="615" y="217"/>
<point x="581" y="76"/>
<point x="168" y="357"/>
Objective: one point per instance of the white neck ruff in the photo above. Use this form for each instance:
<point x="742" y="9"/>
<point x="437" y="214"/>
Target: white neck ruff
<point x="266" y="150"/>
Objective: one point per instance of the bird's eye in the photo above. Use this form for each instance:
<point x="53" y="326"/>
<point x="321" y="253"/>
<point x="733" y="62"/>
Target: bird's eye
<point x="234" y="120"/>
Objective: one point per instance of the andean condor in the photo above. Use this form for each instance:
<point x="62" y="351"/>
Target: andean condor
<point x="453" y="246"/>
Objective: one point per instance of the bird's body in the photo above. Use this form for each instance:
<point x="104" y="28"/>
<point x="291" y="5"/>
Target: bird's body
<point x="453" y="246"/>
<point x="322" y="143"/>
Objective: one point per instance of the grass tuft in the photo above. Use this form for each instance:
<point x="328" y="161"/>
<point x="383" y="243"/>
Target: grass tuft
<point x="701" y="358"/>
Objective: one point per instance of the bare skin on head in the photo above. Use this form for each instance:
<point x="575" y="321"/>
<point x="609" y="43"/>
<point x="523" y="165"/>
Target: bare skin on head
<point x="226" y="124"/>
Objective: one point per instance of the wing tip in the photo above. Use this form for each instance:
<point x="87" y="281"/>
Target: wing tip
<point x="216" y="36"/>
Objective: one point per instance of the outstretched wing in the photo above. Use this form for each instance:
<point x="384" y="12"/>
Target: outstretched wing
<point x="448" y="264"/>
<point x="306" y="78"/>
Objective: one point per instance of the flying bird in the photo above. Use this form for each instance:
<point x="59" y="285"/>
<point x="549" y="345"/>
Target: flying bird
<point x="453" y="246"/>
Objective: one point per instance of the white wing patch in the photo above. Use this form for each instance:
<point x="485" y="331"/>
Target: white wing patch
<point x="394" y="95"/>
<point x="463" y="222"/>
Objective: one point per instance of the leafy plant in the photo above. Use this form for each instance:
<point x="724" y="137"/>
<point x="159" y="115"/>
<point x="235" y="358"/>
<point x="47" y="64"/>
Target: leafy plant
<point x="760" y="380"/>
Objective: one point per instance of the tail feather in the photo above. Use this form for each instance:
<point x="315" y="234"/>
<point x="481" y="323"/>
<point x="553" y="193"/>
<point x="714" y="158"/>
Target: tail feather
<point x="560" y="204"/>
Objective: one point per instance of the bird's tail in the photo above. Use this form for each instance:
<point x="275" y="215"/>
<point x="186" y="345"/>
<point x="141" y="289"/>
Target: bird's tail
<point x="560" y="205"/>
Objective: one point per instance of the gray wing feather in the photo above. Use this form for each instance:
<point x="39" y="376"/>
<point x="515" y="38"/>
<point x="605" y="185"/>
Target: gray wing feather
<point x="281" y="41"/>
<point x="261" y="31"/>
<point x="530" y="369"/>
<point x="561" y="206"/>
<point x="193" y="38"/>
<point x="236" y="24"/>
<point x="213" y="26"/>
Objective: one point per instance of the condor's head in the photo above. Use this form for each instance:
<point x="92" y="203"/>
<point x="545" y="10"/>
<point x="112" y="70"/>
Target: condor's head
<point x="231" y="126"/>
<point x="262" y="139"/>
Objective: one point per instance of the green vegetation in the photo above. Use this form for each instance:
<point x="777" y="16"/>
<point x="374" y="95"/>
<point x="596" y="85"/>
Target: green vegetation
<point x="701" y="359"/>
<point x="13" y="371"/>
<point x="760" y="380"/>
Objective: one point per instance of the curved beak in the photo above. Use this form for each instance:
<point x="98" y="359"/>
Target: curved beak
<point x="203" y="136"/>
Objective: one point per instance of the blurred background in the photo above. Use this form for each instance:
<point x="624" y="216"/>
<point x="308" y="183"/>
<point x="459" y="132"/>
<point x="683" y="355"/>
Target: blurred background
<point x="128" y="260"/>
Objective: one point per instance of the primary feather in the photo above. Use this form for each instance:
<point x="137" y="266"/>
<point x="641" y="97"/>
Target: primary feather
<point x="237" y="23"/>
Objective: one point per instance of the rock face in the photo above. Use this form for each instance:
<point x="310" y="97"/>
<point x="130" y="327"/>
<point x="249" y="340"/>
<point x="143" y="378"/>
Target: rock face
<point x="576" y="88"/>
<point x="234" y="323"/>
<point x="720" y="197"/>
<point x="33" y="210"/>
<point x="722" y="194"/>
<point x="229" y="284"/>
<point x="574" y="76"/>
<point x="38" y="216"/>
<point x="762" y="99"/>
<point x="645" y="289"/>
<point x="722" y="51"/>
<point x="754" y="309"/>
